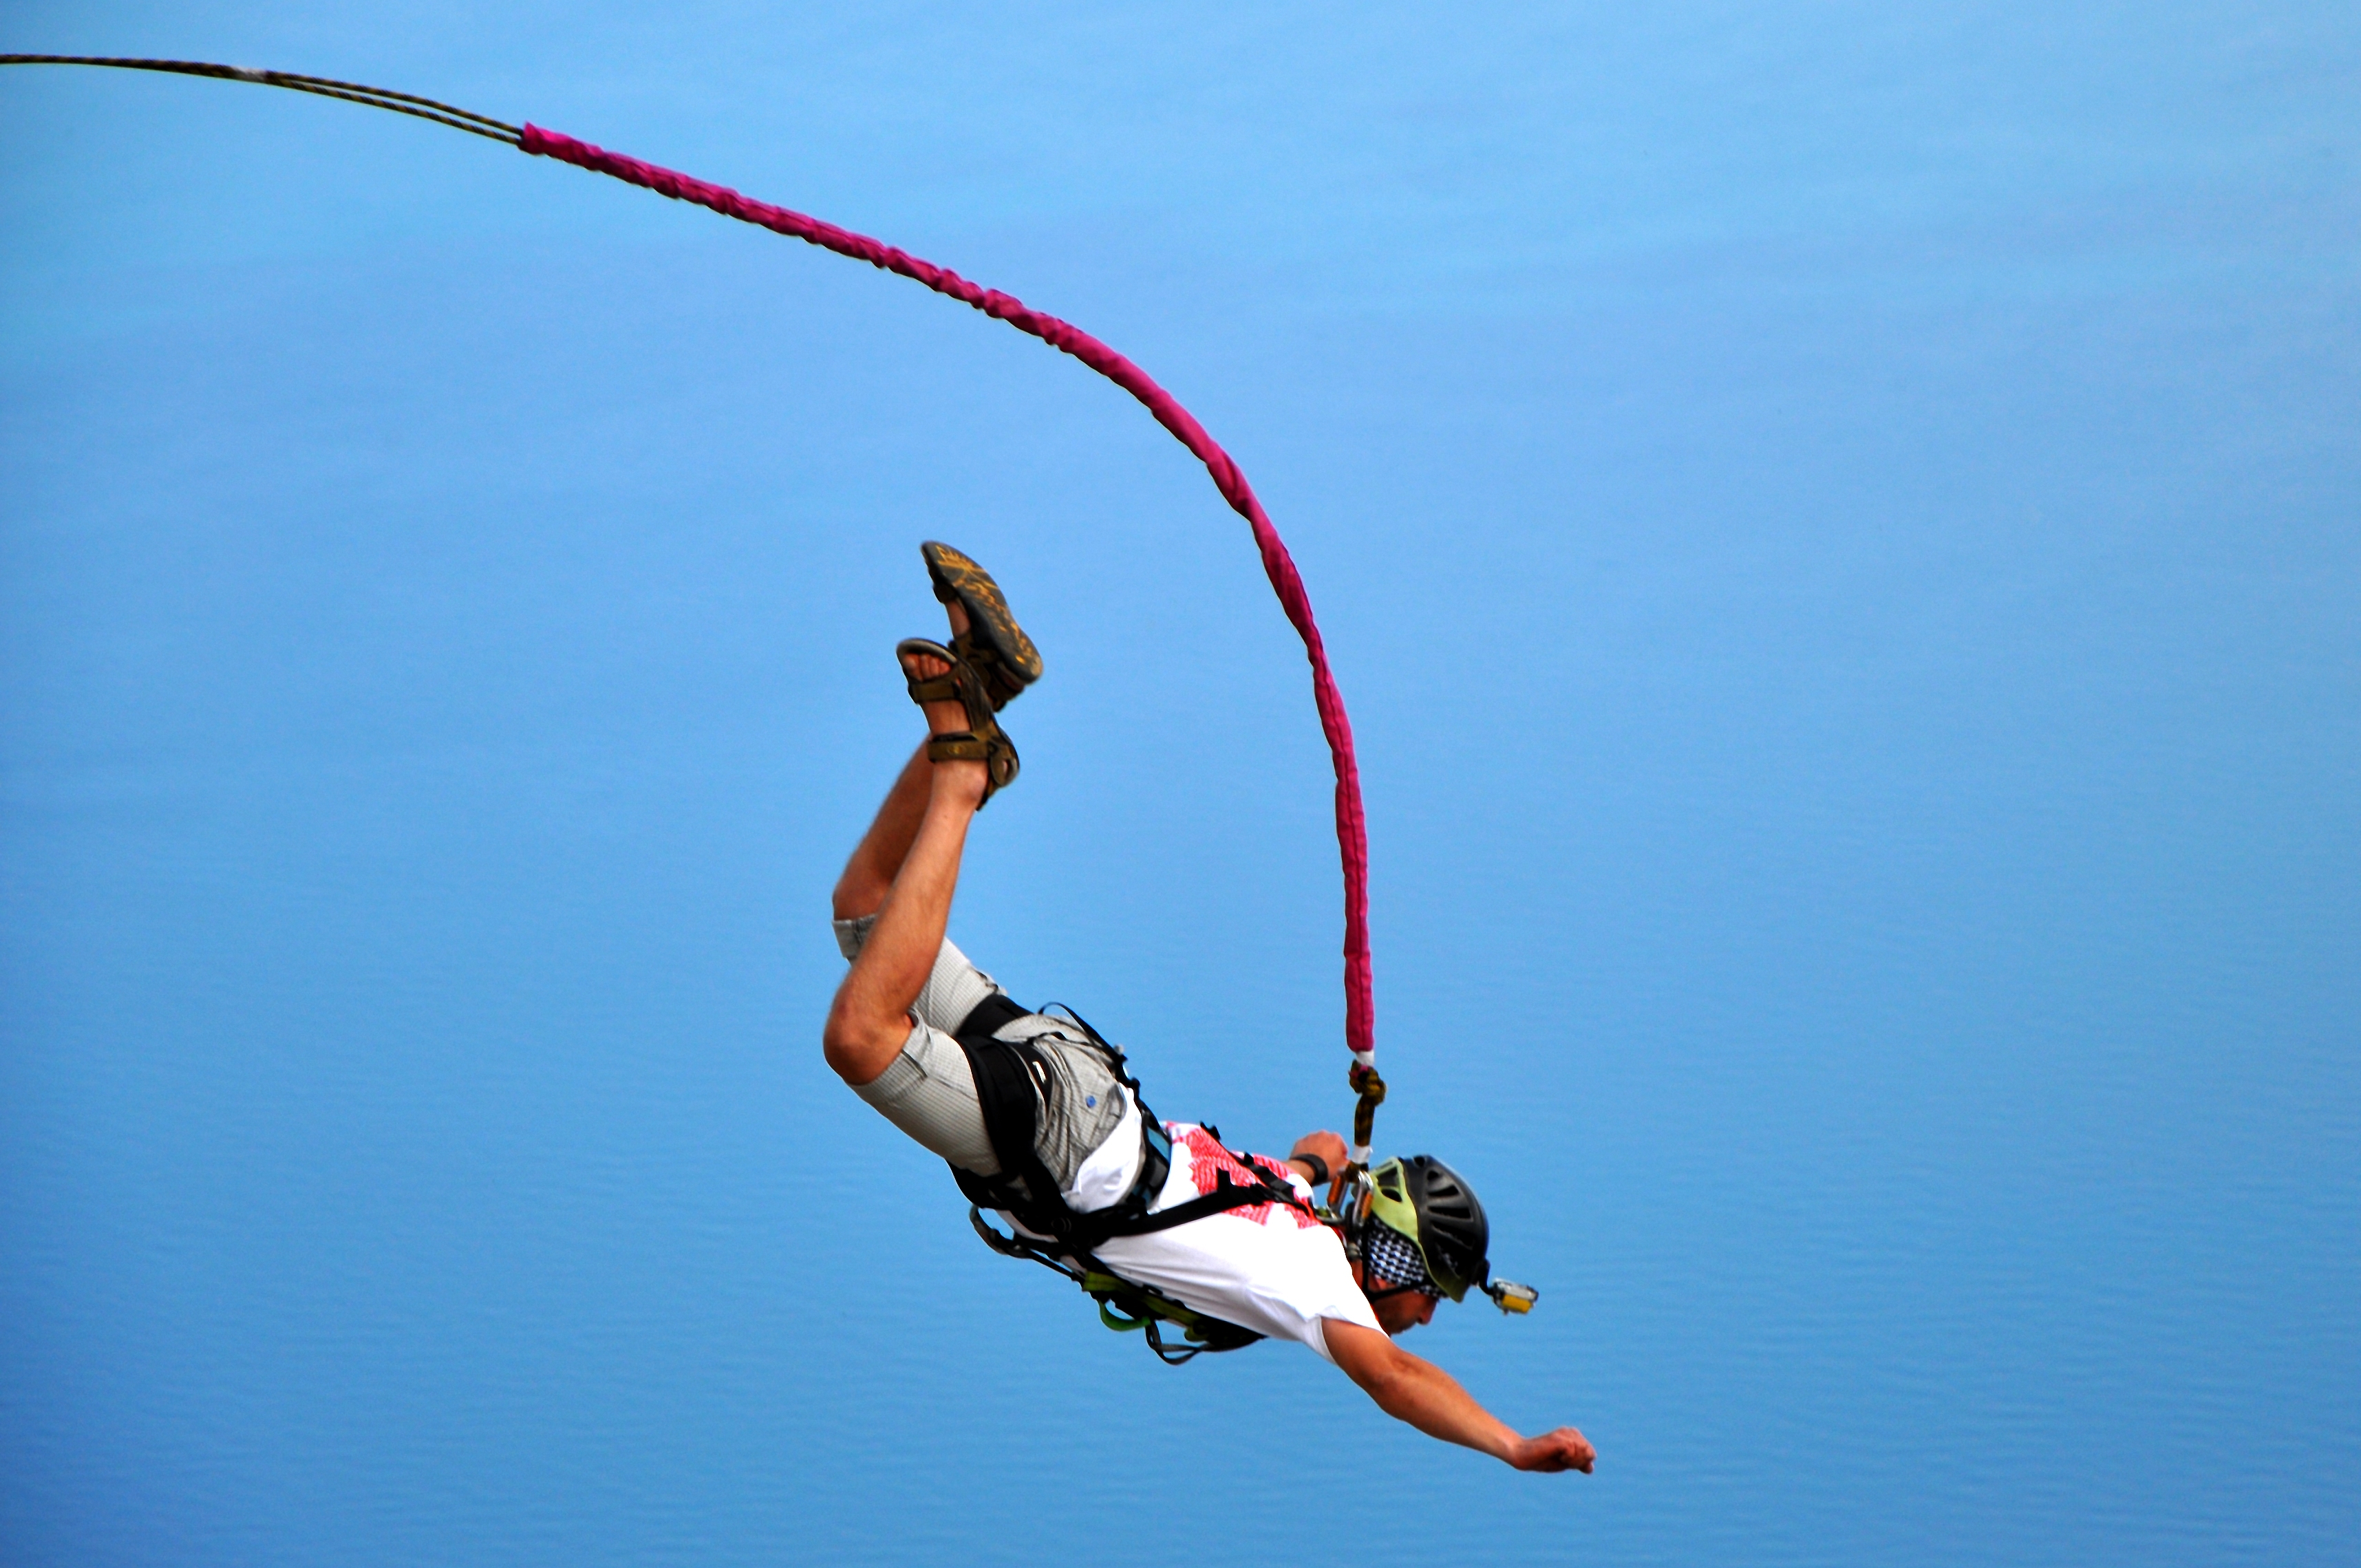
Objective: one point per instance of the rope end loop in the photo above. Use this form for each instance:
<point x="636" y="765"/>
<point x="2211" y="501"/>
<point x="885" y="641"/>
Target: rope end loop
<point x="1364" y="1081"/>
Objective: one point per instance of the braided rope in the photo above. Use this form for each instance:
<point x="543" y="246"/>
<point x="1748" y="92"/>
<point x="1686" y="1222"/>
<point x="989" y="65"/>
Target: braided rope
<point x="1352" y="831"/>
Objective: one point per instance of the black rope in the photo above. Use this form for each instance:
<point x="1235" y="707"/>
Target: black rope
<point x="450" y="114"/>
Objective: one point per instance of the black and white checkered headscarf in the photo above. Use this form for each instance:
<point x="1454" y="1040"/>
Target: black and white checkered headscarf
<point x="1392" y="1256"/>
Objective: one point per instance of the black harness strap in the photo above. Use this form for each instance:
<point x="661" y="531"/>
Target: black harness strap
<point x="1011" y="1083"/>
<point x="989" y="1016"/>
<point x="1225" y="1196"/>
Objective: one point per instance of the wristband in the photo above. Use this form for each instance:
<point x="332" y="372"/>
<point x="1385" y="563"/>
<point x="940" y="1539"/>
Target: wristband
<point x="1321" y="1175"/>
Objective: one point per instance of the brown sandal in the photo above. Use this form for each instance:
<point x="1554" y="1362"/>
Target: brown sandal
<point x="983" y="741"/>
<point x="994" y="643"/>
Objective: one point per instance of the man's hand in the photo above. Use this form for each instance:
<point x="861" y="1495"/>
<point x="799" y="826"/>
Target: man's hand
<point x="1565" y="1449"/>
<point x="1328" y="1146"/>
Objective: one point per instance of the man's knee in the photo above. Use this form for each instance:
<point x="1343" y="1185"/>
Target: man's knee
<point x="857" y="893"/>
<point x="858" y="1049"/>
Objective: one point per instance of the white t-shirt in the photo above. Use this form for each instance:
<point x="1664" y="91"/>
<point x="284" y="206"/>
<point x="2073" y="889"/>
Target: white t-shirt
<point x="1268" y="1267"/>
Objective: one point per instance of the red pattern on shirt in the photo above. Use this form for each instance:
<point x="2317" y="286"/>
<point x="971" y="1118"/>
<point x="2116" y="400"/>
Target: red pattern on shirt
<point x="1208" y="1160"/>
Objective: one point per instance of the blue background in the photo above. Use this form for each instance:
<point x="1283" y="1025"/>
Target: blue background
<point x="1838" y="527"/>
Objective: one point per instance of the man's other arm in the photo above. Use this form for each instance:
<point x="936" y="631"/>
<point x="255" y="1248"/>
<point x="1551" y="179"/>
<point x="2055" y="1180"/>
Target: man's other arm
<point x="1411" y="1389"/>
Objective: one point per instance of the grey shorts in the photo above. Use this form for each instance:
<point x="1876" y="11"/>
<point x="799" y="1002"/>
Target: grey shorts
<point x="929" y="1089"/>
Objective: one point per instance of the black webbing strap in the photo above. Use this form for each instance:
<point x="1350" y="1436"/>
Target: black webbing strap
<point x="1009" y="1092"/>
<point x="1211" y="1335"/>
<point x="989" y="1016"/>
<point x="1010" y="1083"/>
<point x="1126" y="1304"/>
<point x="1225" y="1196"/>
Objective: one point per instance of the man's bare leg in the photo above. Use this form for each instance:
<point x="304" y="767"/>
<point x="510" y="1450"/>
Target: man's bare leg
<point x="869" y="1020"/>
<point x="877" y="859"/>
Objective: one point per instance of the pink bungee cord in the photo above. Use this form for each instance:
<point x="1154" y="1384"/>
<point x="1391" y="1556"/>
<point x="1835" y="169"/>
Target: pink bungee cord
<point x="1352" y="831"/>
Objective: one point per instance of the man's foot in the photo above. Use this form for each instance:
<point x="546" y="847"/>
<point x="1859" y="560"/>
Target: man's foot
<point x="985" y="634"/>
<point x="959" y="714"/>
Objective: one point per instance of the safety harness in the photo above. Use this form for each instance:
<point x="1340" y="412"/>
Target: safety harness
<point x="1011" y="1081"/>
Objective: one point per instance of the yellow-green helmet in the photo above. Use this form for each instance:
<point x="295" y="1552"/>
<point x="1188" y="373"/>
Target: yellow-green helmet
<point x="1426" y="1200"/>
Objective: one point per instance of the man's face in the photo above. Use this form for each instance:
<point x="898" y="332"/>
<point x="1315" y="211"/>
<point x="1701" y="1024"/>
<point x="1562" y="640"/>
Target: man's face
<point x="1399" y="1313"/>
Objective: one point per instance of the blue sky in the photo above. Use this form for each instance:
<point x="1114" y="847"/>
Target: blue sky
<point x="1836" y="528"/>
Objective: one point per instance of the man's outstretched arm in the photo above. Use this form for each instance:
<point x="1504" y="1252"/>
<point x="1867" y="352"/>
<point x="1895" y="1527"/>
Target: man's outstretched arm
<point x="1411" y="1389"/>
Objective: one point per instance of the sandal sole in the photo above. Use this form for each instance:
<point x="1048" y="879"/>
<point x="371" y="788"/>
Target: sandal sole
<point x="955" y="576"/>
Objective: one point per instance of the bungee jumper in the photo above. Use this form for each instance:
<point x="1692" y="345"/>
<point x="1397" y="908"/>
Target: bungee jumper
<point x="1039" y="1118"/>
<point x="1035" y="1111"/>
